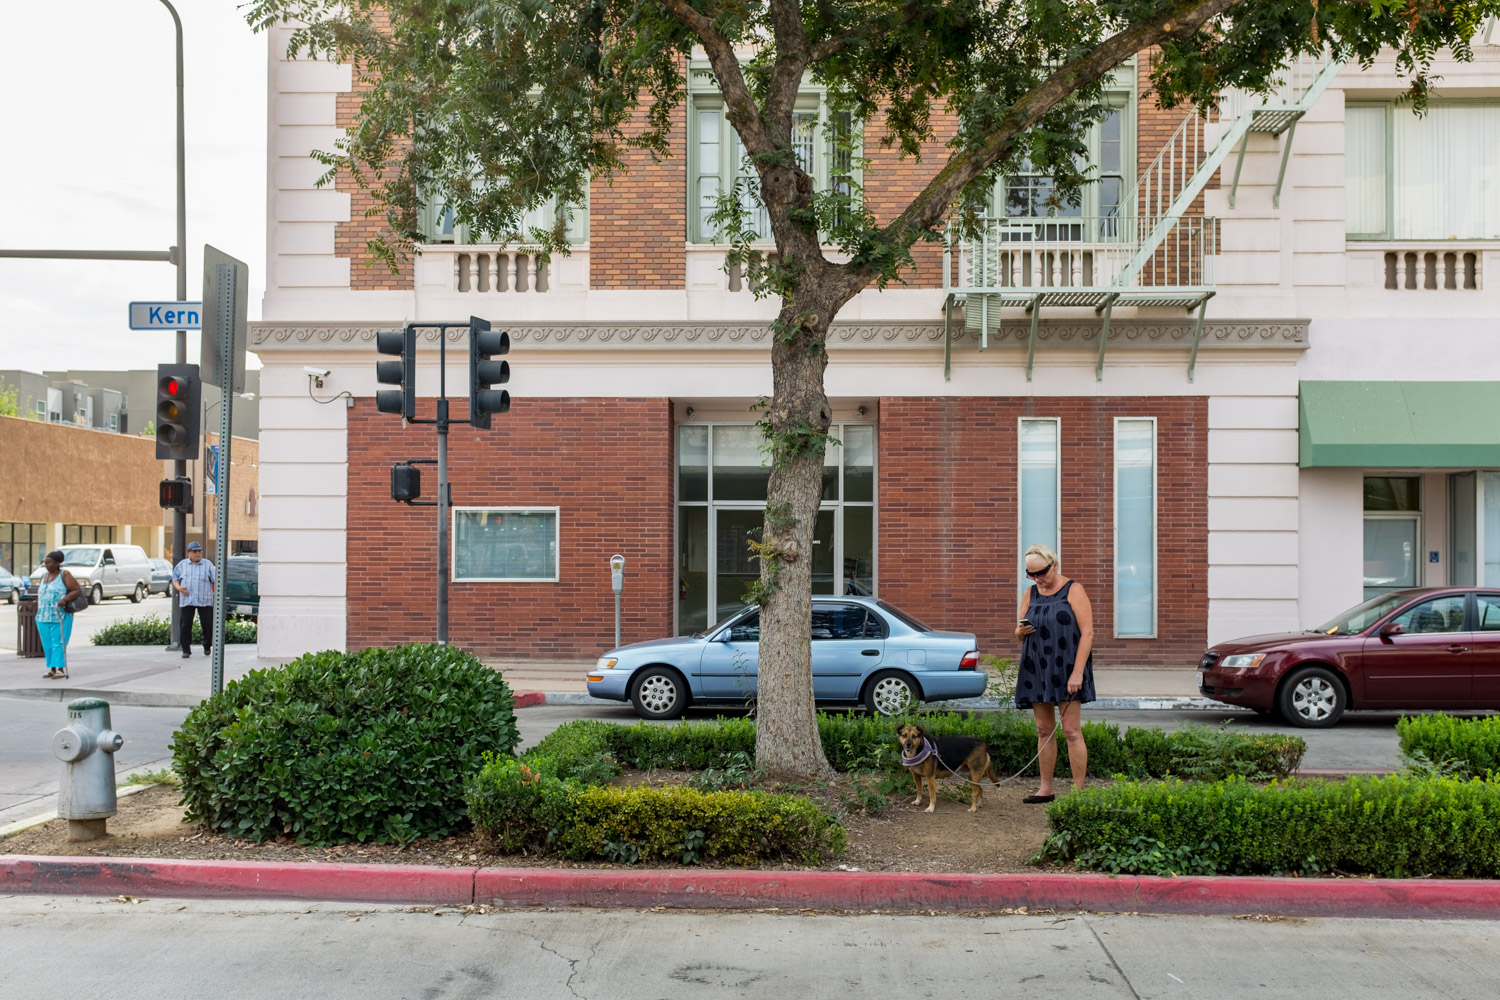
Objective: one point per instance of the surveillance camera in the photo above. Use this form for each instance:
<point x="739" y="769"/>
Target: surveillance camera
<point x="317" y="372"/>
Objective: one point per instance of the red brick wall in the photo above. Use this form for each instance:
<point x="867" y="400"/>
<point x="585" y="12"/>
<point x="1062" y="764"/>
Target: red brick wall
<point x="607" y="463"/>
<point x="947" y="516"/>
<point x="638" y="219"/>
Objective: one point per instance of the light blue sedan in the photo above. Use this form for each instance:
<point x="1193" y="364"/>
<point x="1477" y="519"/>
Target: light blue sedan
<point x="864" y="651"/>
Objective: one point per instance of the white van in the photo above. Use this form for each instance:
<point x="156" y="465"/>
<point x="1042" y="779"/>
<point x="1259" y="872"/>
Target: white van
<point x="106" y="571"/>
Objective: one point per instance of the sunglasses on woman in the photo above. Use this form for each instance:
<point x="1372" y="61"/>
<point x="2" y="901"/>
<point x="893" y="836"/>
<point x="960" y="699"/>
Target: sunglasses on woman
<point x="1037" y="574"/>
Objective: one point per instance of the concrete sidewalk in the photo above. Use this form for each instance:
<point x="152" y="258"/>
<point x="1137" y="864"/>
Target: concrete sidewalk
<point x="152" y="676"/>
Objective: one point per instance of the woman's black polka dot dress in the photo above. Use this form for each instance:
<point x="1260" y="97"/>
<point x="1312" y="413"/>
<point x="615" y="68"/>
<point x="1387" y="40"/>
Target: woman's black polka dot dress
<point x="1048" y="654"/>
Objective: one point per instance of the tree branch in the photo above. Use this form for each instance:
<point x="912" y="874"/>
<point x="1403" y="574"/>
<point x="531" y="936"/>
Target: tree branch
<point x="738" y="101"/>
<point x="829" y="47"/>
<point x="935" y="200"/>
<point x="792" y="56"/>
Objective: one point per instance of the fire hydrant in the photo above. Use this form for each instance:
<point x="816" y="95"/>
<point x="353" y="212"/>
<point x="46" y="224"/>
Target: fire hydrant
<point x="86" y="795"/>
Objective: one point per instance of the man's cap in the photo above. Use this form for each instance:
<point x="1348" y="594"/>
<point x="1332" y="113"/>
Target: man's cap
<point x="194" y="547"/>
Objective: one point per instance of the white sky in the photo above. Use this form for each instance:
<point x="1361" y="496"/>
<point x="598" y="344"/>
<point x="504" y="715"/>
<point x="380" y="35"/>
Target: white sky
<point x="89" y="92"/>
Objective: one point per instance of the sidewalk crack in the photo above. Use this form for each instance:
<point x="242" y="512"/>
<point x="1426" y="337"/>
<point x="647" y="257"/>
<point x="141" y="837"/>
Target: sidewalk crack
<point x="1109" y="955"/>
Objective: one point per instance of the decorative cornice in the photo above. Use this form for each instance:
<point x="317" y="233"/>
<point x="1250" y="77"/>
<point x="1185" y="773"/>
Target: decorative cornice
<point x="1059" y="334"/>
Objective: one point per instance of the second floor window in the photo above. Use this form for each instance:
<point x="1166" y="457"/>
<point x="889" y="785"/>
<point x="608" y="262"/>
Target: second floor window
<point x="1436" y="177"/>
<point x="439" y="226"/>
<point x="821" y="140"/>
<point x="1091" y="213"/>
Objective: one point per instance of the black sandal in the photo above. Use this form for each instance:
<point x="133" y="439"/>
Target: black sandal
<point x="1032" y="800"/>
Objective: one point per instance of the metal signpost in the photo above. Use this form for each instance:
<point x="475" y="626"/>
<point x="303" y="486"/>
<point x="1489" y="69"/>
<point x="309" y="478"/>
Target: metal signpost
<point x="226" y="292"/>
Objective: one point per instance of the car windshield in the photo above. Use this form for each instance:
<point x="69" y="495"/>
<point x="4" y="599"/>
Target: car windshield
<point x="903" y="617"/>
<point x="80" y="557"/>
<point x="1362" y="616"/>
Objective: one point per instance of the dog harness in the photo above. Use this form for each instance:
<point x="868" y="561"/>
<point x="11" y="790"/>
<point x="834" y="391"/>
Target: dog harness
<point x="927" y="751"/>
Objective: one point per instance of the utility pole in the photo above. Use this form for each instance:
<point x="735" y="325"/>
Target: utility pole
<point x="175" y="255"/>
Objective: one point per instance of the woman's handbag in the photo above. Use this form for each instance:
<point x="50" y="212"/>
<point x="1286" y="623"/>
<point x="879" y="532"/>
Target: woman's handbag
<point x="78" y="603"/>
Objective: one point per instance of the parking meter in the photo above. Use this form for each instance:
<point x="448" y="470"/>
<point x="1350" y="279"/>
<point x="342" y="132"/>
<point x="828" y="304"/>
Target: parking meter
<point x="617" y="584"/>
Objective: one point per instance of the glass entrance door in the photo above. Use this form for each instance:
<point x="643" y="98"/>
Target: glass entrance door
<point x="735" y="565"/>
<point x="1390" y="553"/>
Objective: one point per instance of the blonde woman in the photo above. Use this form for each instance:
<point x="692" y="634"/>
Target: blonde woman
<point x="1056" y="675"/>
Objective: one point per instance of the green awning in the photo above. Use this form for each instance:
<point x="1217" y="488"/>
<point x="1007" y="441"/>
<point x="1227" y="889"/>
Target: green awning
<point x="1408" y="425"/>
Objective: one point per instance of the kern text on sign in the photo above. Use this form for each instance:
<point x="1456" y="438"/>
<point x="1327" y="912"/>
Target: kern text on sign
<point x="166" y="315"/>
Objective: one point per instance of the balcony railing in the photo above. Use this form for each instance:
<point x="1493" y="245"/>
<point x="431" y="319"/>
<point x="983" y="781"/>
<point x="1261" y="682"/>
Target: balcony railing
<point x="481" y="269"/>
<point x="1081" y="260"/>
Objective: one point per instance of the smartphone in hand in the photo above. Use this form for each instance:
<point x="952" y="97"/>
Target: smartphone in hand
<point x="1026" y="623"/>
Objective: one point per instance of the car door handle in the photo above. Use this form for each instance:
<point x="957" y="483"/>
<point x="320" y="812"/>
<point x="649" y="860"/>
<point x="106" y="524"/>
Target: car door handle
<point x="1458" y="649"/>
<point x="869" y="652"/>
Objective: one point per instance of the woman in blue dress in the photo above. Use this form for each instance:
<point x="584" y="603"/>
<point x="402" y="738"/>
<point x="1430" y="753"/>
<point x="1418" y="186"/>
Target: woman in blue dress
<point x="54" y="623"/>
<point x="1056" y="675"/>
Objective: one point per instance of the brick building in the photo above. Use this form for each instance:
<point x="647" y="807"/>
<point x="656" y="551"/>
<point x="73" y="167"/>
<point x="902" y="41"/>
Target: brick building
<point x="1157" y="382"/>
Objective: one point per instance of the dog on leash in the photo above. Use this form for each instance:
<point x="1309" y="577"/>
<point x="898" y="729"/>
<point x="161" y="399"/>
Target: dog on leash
<point x="928" y="759"/>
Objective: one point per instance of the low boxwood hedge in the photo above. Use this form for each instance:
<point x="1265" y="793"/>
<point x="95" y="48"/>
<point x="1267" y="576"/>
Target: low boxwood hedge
<point x="1464" y="747"/>
<point x="594" y="751"/>
<point x="526" y="805"/>
<point x="157" y="631"/>
<point x="376" y="745"/>
<point x="1392" y="826"/>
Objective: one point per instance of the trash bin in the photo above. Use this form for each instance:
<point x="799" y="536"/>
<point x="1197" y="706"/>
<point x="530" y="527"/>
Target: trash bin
<point x="28" y="639"/>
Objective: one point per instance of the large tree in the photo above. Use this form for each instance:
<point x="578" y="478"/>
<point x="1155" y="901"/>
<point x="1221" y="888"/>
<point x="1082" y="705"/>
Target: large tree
<point x="497" y="106"/>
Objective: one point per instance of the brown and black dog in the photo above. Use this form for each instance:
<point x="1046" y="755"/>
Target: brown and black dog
<point x="951" y="755"/>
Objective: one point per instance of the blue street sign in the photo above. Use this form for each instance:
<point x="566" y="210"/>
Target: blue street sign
<point x="166" y="315"/>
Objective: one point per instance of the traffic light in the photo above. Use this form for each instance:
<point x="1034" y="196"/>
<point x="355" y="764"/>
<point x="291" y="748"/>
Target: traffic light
<point x="176" y="494"/>
<point x="406" y="482"/>
<point x="401" y="373"/>
<point x="485" y="344"/>
<point x="178" y="413"/>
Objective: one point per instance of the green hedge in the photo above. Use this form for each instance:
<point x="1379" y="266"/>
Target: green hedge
<point x="155" y="631"/>
<point x="376" y="745"/>
<point x="526" y="805"/>
<point x="1465" y="747"/>
<point x="594" y="751"/>
<point x="1392" y="826"/>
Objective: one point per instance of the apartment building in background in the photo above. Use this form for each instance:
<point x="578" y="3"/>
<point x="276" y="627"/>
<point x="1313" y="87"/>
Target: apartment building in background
<point x="1248" y="380"/>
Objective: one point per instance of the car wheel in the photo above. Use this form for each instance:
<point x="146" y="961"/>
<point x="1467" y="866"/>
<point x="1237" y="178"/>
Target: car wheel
<point x="1312" y="698"/>
<point x="659" y="693"/>
<point x="138" y="594"/>
<point x="96" y="596"/>
<point x="891" y="693"/>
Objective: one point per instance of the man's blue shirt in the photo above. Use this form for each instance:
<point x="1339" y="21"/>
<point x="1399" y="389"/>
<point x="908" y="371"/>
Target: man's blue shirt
<point x="198" y="578"/>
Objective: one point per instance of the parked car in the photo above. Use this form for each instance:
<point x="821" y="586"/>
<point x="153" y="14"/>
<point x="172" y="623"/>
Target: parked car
<point x="106" y="571"/>
<point x="1416" y="648"/>
<point x="864" y="651"/>
<point x="11" y="585"/>
<point x="161" y="577"/>
<point x="242" y="586"/>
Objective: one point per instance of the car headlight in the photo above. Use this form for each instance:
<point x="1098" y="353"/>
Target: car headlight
<point x="605" y="662"/>
<point x="1242" y="661"/>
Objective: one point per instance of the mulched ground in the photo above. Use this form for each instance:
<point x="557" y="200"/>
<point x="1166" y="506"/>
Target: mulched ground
<point x="1002" y="837"/>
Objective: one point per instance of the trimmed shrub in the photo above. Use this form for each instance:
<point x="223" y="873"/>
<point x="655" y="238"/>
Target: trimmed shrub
<point x="157" y="631"/>
<point x="376" y="745"/>
<point x="524" y="805"/>
<point x="593" y="751"/>
<point x="1391" y="826"/>
<point x="1463" y="747"/>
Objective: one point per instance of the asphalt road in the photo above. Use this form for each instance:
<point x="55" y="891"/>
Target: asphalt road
<point x="148" y="949"/>
<point x="86" y="623"/>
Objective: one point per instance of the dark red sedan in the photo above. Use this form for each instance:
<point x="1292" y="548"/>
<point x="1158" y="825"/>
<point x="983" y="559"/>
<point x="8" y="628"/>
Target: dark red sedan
<point x="1421" y="648"/>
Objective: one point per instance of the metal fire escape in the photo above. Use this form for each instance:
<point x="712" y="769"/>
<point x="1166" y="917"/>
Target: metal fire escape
<point x="1154" y="251"/>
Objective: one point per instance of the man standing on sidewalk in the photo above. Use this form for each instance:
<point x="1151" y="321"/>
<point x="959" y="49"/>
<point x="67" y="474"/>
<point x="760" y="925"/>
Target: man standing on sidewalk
<point x="193" y="578"/>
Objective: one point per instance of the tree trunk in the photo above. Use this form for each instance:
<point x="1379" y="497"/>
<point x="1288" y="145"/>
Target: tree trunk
<point x="787" y="746"/>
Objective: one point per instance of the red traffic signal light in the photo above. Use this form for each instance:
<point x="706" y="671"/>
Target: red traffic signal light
<point x="177" y="416"/>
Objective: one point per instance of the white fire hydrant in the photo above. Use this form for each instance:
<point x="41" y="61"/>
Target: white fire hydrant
<point x="86" y="794"/>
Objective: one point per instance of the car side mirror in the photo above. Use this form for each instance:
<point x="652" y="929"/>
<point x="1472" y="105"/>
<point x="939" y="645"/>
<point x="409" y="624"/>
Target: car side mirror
<point x="1393" y="628"/>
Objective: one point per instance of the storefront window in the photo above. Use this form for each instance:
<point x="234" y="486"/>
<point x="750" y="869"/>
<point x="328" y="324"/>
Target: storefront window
<point x="1039" y="490"/>
<point x="1393" y="532"/>
<point x="505" y="544"/>
<point x="1135" y="528"/>
<point x="22" y="545"/>
<point x="722" y="477"/>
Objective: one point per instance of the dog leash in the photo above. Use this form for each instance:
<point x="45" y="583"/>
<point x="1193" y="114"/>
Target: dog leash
<point x="1040" y="747"/>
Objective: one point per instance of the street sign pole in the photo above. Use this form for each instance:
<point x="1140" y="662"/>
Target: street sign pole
<point x="226" y="289"/>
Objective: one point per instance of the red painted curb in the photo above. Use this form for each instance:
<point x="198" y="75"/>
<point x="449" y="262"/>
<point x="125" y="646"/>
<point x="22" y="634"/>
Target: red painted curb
<point x="529" y="699"/>
<point x="237" y="880"/>
<point x="737" y="889"/>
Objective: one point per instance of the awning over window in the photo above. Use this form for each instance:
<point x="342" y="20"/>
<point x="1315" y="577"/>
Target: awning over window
<point x="1410" y="425"/>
